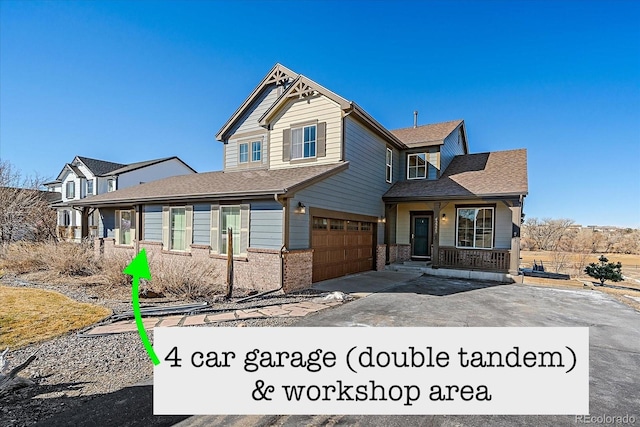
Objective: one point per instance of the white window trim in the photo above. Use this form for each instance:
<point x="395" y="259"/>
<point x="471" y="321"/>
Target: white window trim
<point x="90" y="181"/>
<point x="171" y="248"/>
<point x="493" y="227"/>
<point x="239" y="152"/>
<point x="66" y="189"/>
<point x="109" y="187"/>
<point x="256" y="141"/>
<point x="315" y="141"/>
<point x="426" y="165"/>
<point x="389" y="166"/>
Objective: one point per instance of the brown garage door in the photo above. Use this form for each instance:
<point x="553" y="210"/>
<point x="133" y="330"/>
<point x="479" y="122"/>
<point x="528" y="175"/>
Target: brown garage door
<point x="341" y="247"/>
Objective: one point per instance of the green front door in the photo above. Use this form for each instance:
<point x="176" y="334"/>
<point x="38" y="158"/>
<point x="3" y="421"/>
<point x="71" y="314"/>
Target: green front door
<point x="420" y="243"/>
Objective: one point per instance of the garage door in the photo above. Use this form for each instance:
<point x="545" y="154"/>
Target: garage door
<point x="341" y="247"/>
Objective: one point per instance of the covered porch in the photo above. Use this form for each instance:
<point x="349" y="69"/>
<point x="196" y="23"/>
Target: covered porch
<point x="468" y="219"/>
<point x="462" y="234"/>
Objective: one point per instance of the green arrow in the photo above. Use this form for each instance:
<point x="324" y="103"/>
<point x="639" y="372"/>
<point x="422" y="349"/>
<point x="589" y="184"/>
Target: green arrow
<point x="139" y="268"/>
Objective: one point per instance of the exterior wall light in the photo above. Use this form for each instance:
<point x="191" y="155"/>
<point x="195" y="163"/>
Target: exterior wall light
<point x="301" y="208"/>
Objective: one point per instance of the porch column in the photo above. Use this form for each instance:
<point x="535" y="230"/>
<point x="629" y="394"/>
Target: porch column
<point x="390" y="214"/>
<point x="84" y="222"/>
<point x="516" y="219"/>
<point x="435" y="256"/>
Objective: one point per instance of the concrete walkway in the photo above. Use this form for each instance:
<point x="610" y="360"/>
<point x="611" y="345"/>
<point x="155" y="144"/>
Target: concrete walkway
<point x="364" y="284"/>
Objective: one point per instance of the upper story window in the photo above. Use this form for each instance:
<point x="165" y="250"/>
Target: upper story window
<point x="417" y="166"/>
<point x="111" y="185"/>
<point x="303" y="142"/>
<point x="243" y="153"/>
<point x="89" y="187"/>
<point x="475" y="227"/>
<point x="71" y="190"/>
<point x="389" y="167"/>
<point x="256" y="151"/>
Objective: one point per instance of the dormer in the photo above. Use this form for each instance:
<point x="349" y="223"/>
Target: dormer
<point x="430" y="148"/>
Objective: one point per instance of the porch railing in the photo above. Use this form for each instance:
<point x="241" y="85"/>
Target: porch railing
<point x="474" y="259"/>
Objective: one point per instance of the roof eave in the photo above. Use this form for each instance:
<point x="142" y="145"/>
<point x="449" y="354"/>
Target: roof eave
<point x="497" y="196"/>
<point x="376" y="126"/>
<point x="129" y="201"/>
<point x="315" y="179"/>
<point x="269" y="193"/>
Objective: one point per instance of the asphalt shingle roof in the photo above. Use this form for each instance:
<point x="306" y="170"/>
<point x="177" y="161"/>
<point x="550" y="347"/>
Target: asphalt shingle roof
<point x="138" y="165"/>
<point x="426" y="135"/>
<point x="499" y="173"/>
<point x="216" y="185"/>
<point x="99" y="167"/>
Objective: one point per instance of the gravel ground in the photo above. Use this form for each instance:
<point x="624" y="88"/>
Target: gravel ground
<point x="70" y="370"/>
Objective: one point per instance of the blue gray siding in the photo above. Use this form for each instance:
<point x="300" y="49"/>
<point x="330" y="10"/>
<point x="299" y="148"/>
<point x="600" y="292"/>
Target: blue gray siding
<point x="249" y="120"/>
<point x="265" y="225"/>
<point x="357" y="190"/>
<point x="450" y="149"/>
<point x="152" y="223"/>
<point x="107" y="223"/>
<point x="432" y="159"/>
<point x="201" y="224"/>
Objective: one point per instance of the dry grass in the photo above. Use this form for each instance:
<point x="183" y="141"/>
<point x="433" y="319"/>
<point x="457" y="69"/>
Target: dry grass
<point x="575" y="262"/>
<point x="29" y="316"/>
<point x="184" y="277"/>
<point x="546" y="256"/>
<point x="62" y="259"/>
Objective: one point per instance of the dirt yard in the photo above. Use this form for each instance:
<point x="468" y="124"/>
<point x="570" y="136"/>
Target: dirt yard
<point x="573" y="263"/>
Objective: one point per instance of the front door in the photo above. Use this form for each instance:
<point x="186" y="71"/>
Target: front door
<point x="420" y="236"/>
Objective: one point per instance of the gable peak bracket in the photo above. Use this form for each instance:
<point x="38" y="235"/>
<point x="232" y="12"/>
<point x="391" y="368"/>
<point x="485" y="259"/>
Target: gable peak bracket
<point x="278" y="77"/>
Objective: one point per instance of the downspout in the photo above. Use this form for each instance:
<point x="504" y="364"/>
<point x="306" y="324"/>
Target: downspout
<point x="281" y="253"/>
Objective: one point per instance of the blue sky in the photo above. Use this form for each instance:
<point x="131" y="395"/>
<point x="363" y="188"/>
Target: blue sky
<point x="129" y="81"/>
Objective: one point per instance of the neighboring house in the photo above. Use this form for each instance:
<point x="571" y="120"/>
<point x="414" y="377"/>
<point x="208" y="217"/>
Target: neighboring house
<point x="85" y="177"/>
<point x="313" y="188"/>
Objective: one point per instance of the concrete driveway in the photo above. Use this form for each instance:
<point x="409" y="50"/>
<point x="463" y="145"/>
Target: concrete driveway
<point x="433" y="301"/>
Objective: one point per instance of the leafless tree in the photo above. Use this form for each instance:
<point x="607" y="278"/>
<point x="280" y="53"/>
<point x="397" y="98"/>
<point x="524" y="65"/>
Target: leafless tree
<point x="547" y="234"/>
<point x="24" y="210"/>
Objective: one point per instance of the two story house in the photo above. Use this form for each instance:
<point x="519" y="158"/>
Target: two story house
<point x="313" y="188"/>
<point x="85" y="177"/>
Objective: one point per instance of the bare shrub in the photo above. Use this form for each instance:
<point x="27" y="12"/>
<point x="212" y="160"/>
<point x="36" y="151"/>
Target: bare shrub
<point x="58" y="259"/>
<point x="187" y="278"/>
<point x="560" y="260"/>
<point x="580" y="262"/>
<point x="22" y="257"/>
<point x="70" y="259"/>
<point x="111" y="269"/>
